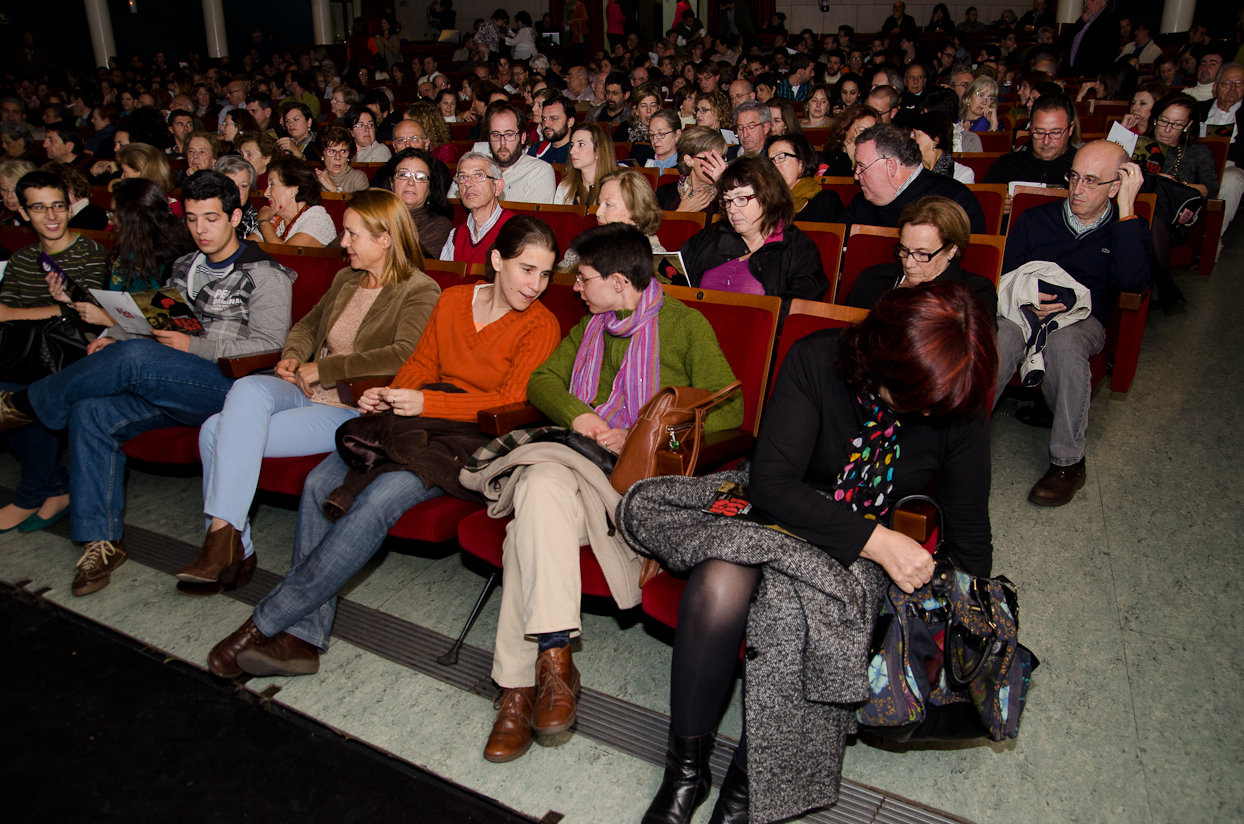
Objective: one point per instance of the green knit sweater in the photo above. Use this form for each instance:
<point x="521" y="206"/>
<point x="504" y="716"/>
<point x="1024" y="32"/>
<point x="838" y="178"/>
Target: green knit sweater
<point x="690" y="356"/>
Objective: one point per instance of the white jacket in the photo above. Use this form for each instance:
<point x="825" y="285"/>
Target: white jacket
<point x="1019" y="289"/>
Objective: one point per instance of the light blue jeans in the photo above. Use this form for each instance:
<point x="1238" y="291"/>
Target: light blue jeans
<point x="263" y="417"/>
<point x="328" y="554"/>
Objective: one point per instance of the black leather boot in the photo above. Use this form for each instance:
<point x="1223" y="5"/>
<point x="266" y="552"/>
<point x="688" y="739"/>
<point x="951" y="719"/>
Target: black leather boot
<point x="731" y="807"/>
<point x="686" y="783"/>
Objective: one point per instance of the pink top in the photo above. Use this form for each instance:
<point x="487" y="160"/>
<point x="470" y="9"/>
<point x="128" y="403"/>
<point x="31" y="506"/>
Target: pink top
<point x="615" y="18"/>
<point x="735" y="275"/>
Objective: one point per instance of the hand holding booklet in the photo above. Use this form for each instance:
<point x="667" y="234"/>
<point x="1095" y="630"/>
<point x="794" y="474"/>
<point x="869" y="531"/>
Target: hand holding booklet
<point x="141" y="312"/>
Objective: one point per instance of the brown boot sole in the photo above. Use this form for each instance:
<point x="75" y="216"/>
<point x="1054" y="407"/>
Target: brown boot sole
<point x="98" y="584"/>
<point x="254" y="662"/>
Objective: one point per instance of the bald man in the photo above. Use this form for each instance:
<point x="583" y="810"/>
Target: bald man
<point x="1105" y="248"/>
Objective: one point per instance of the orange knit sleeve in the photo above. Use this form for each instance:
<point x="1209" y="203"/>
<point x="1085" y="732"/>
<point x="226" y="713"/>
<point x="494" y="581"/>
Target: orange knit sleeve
<point x="423" y="365"/>
<point x="533" y="340"/>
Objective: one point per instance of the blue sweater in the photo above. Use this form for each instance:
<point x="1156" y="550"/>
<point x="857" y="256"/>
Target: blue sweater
<point x="1113" y="258"/>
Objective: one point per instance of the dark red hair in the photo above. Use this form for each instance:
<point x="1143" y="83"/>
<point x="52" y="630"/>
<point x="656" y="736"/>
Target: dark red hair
<point x="931" y="346"/>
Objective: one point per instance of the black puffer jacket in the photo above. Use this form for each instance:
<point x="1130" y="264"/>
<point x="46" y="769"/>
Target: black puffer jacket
<point x="788" y="268"/>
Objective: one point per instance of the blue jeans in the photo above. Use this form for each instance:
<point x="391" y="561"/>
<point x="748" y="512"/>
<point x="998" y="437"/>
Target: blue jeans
<point x="327" y="554"/>
<point x="1068" y="382"/>
<point x="107" y="398"/>
<point x="264" y="417"/>
<point x="38" y="453"/>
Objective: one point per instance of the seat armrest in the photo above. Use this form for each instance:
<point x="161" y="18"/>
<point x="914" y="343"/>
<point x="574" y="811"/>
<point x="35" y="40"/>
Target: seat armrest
<point x="350" y="390"/>
<point x="244" y="365"/>
<point x="502" y="419"/>
<point x="721" y="446"/>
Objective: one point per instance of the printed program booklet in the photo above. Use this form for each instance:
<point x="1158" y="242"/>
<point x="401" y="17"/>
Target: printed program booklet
<point x="140" y="312"/>
<point x="731" y="501"/>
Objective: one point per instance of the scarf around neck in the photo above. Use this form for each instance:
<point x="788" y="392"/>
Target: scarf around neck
<point x="867" y="479"/>
<point x="639" y="377"/>
<point x="804" y="190"/>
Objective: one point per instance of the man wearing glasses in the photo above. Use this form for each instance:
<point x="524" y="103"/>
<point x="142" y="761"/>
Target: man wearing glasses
<point x="753" y="121"/>
<point x="1223" y="115"/>
<point x="479" y="184"/>
<point x="527" y="179"/>
<point x="1105" y="248"/>
<point x="891" y="175"/>
<point x="1046" y="158"/>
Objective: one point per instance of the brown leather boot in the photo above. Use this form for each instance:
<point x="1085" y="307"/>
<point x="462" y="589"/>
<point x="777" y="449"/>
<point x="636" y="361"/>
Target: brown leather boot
<point x="282" y="654"/>
<point x="557" y="687"/>
<point x="511" y="732"/>
<point x="220" y="558"/>
<point x="223" y="659"/>
<point x="1058" y="485"/>
<point x="216" y="587"/>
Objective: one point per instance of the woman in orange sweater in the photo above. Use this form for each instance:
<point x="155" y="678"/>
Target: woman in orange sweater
<point x="478" y="350"/>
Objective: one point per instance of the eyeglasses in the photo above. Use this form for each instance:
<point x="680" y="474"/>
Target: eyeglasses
<point x="858" y="171"/>
<point x="336" y="152"/>
<point x="901" y="252"/>
<point x="780" y="157"/>
<point x="703" y="109"/>
<point x="738" y="201"/>
<point x="1052" y="134"/>
<point x="406" y="174"/>
<point x="464" y="178"/>
<point x="42" y="208"/>
<point x="985" y="96"/>
<point x="1232" y="84"/>
<point x="366" y="127"/>
<point x="580" y="279"/>
<point x="1171" y="124"/>
<point x="1089" y="182"/>
<point x="408" y="141"/>
<point x="508" y="137"/>
<point x="749" y="128"/>
<point x="660" y="135"/>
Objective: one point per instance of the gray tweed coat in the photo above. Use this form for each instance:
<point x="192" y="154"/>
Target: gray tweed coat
<point x="809" y="626"/>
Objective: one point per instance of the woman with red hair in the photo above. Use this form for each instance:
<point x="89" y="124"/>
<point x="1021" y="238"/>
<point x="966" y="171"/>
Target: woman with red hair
<point x="913" y="383"/>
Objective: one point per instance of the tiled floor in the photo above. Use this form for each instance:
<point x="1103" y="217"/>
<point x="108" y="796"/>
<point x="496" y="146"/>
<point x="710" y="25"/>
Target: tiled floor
<point x="1131" y="598"/>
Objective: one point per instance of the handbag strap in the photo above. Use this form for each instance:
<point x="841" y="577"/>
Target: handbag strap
<point x="717" y="397"/>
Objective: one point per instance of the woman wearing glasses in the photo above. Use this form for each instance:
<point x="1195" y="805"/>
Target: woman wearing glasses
<point x="661" y="151"/>
<point x="713" y="111"/>
<point x="933" y="234"/>
<point x="479" y="347"/>
<point x="701" y="161"/>
<point x="362" y="124"/>
<point x="797" y="162"/>
<point x="1173" y="153"/>
<point x="625" y="197"/>
<point x="591" y="158"/>
<point x="979" y="108"/>
<point x="755" y="249"/>
<point x="409" y="175"/>
<point x="336" y="147"/>
<point x="646" y="101"/>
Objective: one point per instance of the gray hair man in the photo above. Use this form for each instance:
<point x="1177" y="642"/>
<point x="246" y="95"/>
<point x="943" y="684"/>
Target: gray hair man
<point x="752" y="122"/>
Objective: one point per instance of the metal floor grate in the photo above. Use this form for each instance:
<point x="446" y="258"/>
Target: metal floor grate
<point x="626" y="727"/>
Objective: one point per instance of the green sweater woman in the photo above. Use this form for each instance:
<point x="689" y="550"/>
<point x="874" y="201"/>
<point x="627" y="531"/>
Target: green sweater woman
<point x="635" y="341"/>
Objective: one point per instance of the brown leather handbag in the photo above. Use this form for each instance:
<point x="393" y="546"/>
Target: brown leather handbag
<point x="665" y="440"/>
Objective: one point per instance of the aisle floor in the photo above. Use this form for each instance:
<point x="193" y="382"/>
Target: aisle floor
<point x="1130" y="596"/>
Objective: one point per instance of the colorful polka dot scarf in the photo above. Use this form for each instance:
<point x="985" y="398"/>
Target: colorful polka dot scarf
<point x="868" y="477"/>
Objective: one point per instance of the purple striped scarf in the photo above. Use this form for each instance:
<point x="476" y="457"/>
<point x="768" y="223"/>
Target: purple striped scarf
<point x="640" y="376"/>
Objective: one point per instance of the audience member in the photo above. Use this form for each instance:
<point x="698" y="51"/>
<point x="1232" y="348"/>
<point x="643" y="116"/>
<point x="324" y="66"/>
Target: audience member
<point x="933" y="133"/>
<point x="411" y="175"/>
<point x="336" y="148"/>
<point x="362" y="124"/>
<point x="701" y="160"/>
<point x="1221" y="116"/>
<point x="479" y="185"/>
<point x="798" y="164"/>
<point x="557" y="118"/>
<point x="591" y="157"/>
<point x="293" y="215"/>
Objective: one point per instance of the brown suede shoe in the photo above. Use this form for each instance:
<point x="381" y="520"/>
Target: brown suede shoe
<point x="95" y="567"/>
<point x="221" y="555"/>
<point x="511" y="732"/>
<point x="10" y="418"/>
<point x="283" y="654"/>
<point x="1058" y="485"/>
<point x="557" y="687"/>
<point x="223" y="659"/>
<point x="217" y="587"/>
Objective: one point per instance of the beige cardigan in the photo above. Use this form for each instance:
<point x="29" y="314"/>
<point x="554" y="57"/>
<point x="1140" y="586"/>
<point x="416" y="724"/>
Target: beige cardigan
<point x="386" y="337"/>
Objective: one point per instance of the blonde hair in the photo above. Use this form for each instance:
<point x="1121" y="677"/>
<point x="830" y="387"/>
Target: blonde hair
<point x="432" y="121"/>
<point x="638" y="197"/>
<point x="696" y="139"/>
<point x="586" y="192"/>
<point x="383" y="212"/>
<point x="13" y="170"/>
<point x="982" y="83"/>
<point x="944" y="215"/>
<point x="149" y="162"/>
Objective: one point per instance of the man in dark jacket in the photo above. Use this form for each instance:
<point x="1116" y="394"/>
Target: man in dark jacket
<point x="1092" y="43"/>
<point x="1047" y="157"/>
<point x="891" y="175"/>
<point x="899" y="19"/>
<point x="1105" y="248"/>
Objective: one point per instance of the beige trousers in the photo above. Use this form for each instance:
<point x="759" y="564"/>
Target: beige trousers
<point x="540" y="580"/>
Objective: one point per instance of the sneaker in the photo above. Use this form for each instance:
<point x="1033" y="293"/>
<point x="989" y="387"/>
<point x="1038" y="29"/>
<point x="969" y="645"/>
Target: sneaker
<point x="96" y="566"/>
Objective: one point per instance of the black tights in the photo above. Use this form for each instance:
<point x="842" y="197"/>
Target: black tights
<point x="1160" y="262"/>
<point x="711" y="620"/>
